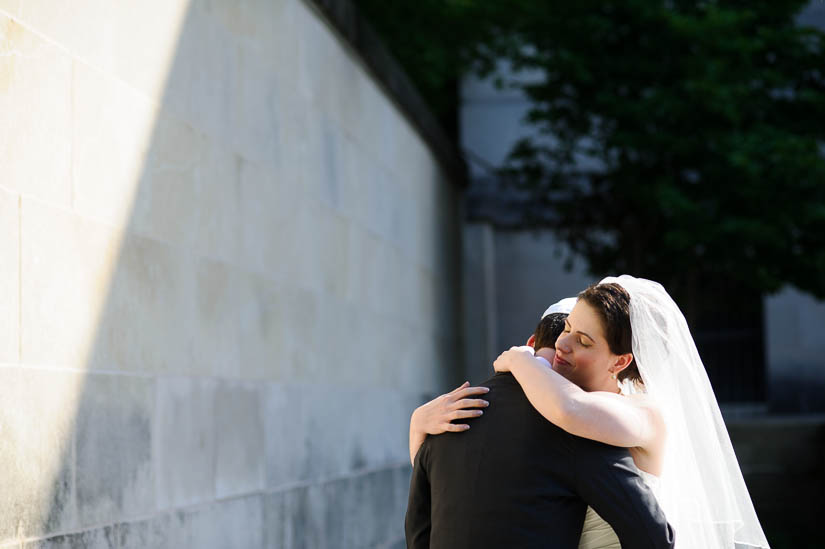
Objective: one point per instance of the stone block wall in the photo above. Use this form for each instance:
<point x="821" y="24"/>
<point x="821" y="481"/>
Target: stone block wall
<point x="229" y="270"/>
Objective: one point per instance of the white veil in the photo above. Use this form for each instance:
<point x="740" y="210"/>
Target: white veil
<point x="702" y="492"/>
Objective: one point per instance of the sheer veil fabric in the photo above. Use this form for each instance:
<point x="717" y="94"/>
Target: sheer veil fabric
<point x="702" y="490"/>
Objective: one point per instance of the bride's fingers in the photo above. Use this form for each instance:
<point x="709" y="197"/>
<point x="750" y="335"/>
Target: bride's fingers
<point x="455" y="428"/>
<point x="463" y="414"/>
<point x="457" y="389"/>
<point x="470" y="403"/>
<point x="471" y="391"/>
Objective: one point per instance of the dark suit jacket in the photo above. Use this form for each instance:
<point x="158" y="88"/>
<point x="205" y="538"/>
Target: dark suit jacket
<point x="515" y="480"/>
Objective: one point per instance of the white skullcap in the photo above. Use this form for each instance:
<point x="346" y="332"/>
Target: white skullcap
<point x="563" y="306"/>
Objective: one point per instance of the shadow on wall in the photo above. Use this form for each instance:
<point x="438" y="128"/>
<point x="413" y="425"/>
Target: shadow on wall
<point x="175" y="288"/>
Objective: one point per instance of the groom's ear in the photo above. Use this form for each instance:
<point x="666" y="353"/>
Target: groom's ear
<point x="531" y="341"/>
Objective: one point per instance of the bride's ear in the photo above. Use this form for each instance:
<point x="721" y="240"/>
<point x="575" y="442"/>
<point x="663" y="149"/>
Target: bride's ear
<point x="622" y="362"/>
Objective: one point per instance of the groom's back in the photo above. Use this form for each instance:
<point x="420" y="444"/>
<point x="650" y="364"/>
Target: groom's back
<point x="516" y="480"/>
<point x="507" y="482"/>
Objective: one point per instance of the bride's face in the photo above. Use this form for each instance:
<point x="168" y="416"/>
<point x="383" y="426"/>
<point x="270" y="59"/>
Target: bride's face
<point x="582" y="352"/>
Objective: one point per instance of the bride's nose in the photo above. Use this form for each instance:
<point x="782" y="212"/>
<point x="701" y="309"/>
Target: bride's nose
<point x="562" y="345"/>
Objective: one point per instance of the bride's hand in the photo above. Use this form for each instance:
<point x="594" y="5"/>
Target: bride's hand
<point x="508" y="359"/>
<point x="435" y="416"/>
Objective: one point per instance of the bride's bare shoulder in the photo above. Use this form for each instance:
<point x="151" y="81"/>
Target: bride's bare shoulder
<point x="644" y="402"/>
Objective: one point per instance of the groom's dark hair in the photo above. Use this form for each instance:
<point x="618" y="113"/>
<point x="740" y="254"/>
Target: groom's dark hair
<point x="548" y="331"/>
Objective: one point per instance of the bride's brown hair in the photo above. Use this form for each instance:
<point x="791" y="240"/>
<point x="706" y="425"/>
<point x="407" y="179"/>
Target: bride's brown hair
<point x="612" y="304"/>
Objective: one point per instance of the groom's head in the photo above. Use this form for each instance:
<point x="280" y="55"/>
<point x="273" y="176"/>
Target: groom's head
<point x="547" y="332"/>
<point x="550" y="328"/>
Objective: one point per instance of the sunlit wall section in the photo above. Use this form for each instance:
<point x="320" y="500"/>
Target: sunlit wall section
<point x="229" y="272"/>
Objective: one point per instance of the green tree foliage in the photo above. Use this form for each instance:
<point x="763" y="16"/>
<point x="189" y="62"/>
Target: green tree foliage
<point x="682" y="141"/>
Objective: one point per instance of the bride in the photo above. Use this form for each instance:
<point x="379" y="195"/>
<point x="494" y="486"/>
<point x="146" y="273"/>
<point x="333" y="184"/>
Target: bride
<point x="626" y="372"/>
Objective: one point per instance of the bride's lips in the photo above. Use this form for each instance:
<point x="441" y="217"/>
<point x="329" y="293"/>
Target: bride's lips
<point x="558" y="361"/>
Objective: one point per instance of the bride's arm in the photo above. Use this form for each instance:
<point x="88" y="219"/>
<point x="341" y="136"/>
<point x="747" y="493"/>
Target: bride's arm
<point x="601" y="416"/>
<point x="435" y="417"/>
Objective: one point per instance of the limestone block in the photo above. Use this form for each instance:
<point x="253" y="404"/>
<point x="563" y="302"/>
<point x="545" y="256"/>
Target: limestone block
<point x="218" y="204"/>
<point x="302" y="310"/>
<point x="346" y="516"/>
<point x="151" y="533"/>
<point x="152" y="307"/>
<point x="166" y="203"/>
<point x="389" y="439"/>
<point x="316" y="51"/>
<point x="36" y="426"/>
<point x="388" y="120"/>
<point x="253" y="19"/>
<point x="394" y="355"/>
<point x="110" y="140"/>
<point x="258" y="112"/>
<point x="330" y="157"/>
<point x="351" y="75"/>
<point x="189" y="193"/>
<point x="333" y="253"/>
<point x="363" y="281"/>
<point x="350" y="173"/>
<point x="421" y="370"/>
<point x="281" y="238"/>
<point x="347" y="71"/>
<point x="285" y="436"/>
<point x="376" y="211"/>
<point x="149" y="319"/>
<point x="186" y="443"/>
<point x="202" y="84"/>
<point x="279" y="334"/>
<point x="377" y="354"/>
<point x="79" y="28"/>
<point x="346" y="336"/>
<point x="319" y="431"/>
<point x="262" y="333"/>
<point x="35" y="99"/>
<point x="361" y="510"/>
<point x="11" y="7"/>
<point x="98" y="538"/>
<point x="239" y="437"/>
<point x="408" y="146"/>
<point x="426" y="289"/>
<point x="144" y="63"/>
<point x="115" y="477"/>
<point x="9" y="277"/>
<point x="405" y="225"/>
<point x="300" y="245"/>
<point x="401" y="479"/>
<point x="390" y="499"/>
<point x="345" y="429"/>
<point x="391" y="267"/>
<point x="269" y="202"/>
<point x="295" y="519"/>
<point x="216" y="329"/>
<point x="226" y="524"/>
<point x="112" y="35"/>
<point x="410" y="298"/>
<point x="303" y="148"/>
<point x="371" y="95"/>
<point x="65" y="273"/>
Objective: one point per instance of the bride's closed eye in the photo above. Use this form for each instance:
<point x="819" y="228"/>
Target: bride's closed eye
<point x="580" y="340"/>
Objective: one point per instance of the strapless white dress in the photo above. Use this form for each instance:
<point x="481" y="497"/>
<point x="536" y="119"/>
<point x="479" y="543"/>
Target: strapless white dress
<point x="597" y="533"/>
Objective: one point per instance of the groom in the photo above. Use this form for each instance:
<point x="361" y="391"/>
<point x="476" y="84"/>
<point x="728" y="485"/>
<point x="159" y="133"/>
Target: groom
<point x="515" y="480"/>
